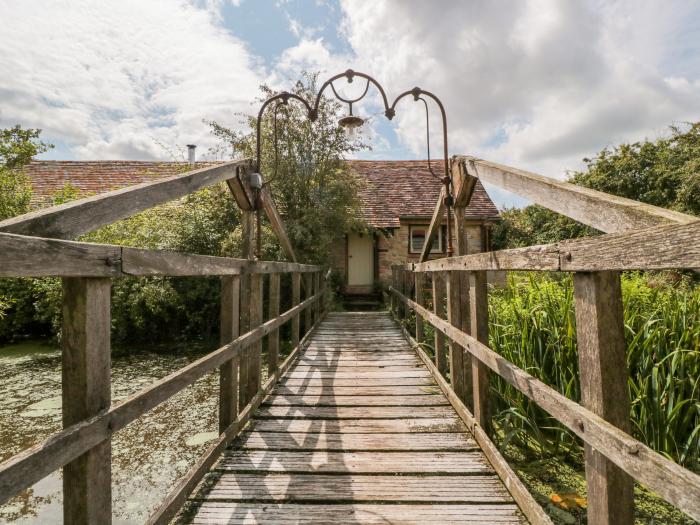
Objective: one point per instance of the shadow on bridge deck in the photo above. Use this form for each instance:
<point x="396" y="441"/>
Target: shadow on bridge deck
<point x="357" y="431"/>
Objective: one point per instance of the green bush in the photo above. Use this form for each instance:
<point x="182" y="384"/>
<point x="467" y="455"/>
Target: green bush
<point x="532" y="324"/>
<point x="144" y="309"/>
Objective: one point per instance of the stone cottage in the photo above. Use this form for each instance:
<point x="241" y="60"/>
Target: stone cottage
<point x="398" y="199"/>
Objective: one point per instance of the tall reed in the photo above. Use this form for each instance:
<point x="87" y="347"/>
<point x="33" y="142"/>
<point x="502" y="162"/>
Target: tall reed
<point x="532" y="324"/>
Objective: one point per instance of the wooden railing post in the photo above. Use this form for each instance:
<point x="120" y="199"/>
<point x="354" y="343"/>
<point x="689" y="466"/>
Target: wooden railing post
<point x="254" y="351"/>
<point x="439" y="310"/>
<point x="456" y="315"/>
<point x="392" y="300"/>
<point x="296" y="299"/>
<point x="399" y="287"/>
<point x="86" y="391"/>
<point x="604" y="375"/>
<point x="308" y="313"/>
<point x="479" y="329"/>
<point x="463" y="320"/>
<point x="248" y="238"/>
<point x="419" y="279"/>
<point x="407" y="289"/>
<point x="230" y="330"/>
<point x="273" y="339"/>
<point x="317" y="289"/>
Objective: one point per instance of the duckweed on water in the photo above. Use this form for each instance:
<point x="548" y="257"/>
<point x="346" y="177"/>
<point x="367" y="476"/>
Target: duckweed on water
<point x="148" y="455"/>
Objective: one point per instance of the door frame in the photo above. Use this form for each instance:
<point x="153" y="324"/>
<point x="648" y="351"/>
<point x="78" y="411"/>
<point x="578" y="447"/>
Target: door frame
<point x="373" y="237"/>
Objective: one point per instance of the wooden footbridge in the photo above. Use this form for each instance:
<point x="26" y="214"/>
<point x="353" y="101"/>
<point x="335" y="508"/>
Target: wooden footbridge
<point x="357" y="424"/>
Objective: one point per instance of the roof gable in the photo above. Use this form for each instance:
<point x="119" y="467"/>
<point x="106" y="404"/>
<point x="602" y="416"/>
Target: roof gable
<point x="396" y="189"/>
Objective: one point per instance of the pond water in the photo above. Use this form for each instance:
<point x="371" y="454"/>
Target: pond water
<point x="147" y="456"/>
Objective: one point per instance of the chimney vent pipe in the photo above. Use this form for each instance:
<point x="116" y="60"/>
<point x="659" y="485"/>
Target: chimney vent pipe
<point x="190" y="153"/>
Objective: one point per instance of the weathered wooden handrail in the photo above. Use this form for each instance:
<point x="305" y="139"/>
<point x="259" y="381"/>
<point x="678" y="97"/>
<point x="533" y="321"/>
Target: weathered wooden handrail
<point x="605" y="212"/>
<point x="35" y="463"/>
<point x="639" y="237"/>
<point x="179" y="493"/>
<point x="27" y="256"/>
<point x="674" y="483"/>
<point x="670" y="246"/>
<point x="83" y="448"/>
<point x="77" y="217"/>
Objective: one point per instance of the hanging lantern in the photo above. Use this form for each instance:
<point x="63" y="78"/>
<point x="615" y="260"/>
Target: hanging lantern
<point x="350" y="123"/>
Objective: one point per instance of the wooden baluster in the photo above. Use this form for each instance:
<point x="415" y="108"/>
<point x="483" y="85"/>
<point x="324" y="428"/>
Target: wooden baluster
<point x="399" y="286"/>
<point x="439" y="310"/>
<point x="392" y="299"/>
<point x="86" y="391"/>
<point x="296" y="299"/>
<point x="248" y="238"/>
<point x="325" y="300"/>
<point x="309" y="291"/>
<point x="317" y="289"/>
<point x="419" y="279"/>
<point x="255" y="350"/>
<point x="407" y="289"/>
<point x="455" y="315"/>
<point x="479" y="329"/>
<point x="273" y="339"/>
<point x="230" y="330"/>
<point x="463" y="322"/>
<point x="603" y="374"/>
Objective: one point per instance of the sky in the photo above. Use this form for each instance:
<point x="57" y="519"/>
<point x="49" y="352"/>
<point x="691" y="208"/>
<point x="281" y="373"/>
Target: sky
<point x="536" y="84"/>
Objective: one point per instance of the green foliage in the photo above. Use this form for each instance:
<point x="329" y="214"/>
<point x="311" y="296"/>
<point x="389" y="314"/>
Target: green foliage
<point x="15" y="193"/>
<point x="535" y="225"/>
<point x="532" y="324"/>
<point x="145" y="309"/>
<point x="17" y="147"/>
<point x="166" y="308"/>
<point x="314" y="190"/>
<point x="664" y="172"/>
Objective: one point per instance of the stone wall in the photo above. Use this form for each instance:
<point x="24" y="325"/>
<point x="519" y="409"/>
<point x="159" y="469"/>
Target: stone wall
<point x="393" y="249"/>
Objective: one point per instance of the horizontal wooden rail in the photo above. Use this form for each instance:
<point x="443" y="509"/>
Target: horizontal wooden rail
<point x="674" y="483"/>
<point x="26" y="256"/>
<point x="178" y="495"/>
<point x="657" y="248"/>
<point x="85" y="215"/>
<point x="605" y="212"/>
<point x="532" y="510"/>
<point x="35" y="463"/>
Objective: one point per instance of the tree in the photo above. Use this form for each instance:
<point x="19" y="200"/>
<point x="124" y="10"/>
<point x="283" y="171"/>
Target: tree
<point x="17" y="147"/>
<point x="535" y="225"/>
<point x="314" y="190"/>
<point x="664" y="172"/>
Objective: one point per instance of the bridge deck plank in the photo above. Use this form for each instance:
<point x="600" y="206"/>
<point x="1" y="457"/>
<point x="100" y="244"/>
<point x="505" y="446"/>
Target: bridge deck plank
<point x="356" y="432"/>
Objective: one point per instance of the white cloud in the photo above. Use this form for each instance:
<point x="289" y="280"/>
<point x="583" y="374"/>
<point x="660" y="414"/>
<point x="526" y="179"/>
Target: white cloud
<point x="112" y="78"/>
<point x="538" y="84"/>
<point x="535" y="83"/>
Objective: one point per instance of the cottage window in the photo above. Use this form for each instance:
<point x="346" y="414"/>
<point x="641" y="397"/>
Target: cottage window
<point x="416" y="239"/>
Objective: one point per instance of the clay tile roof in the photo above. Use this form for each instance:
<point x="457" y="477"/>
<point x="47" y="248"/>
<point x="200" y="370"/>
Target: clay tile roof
<point x="394" y="189"/>
<point x="50" y="176"/>
<point x="397" y="189"/>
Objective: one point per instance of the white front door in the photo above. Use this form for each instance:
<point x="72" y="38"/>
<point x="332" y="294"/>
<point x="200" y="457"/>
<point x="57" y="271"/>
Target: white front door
<point x="360" y="260"/>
